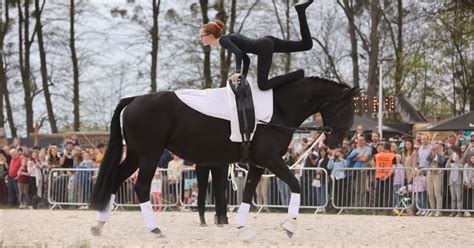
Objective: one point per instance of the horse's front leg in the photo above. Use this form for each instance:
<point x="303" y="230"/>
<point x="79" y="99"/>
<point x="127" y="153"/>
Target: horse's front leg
<point x="253" y="177"/>
<point x="281" y="170"/>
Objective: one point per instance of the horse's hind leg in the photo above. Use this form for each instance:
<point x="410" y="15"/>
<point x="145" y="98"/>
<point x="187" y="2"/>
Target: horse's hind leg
<point x="148" y="164"/>
<point x="127" y="168"/>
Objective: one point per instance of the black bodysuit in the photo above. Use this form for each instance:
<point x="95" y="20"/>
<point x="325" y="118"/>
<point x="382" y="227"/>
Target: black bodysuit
<point x="264" y="48"/>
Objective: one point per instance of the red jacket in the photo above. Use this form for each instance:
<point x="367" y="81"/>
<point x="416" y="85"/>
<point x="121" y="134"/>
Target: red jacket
<point x="15" y="165"/>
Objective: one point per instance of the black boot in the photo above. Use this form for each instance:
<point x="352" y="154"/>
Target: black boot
<point x="202" y="220"/>
<point x="218" y="221"/>
<point x="303" y="5"/>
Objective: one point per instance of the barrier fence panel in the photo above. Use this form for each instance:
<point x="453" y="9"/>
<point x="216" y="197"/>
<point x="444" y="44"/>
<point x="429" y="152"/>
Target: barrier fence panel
<point x="275" y="193"/>
<point x="189" y="191"/>
<point x="370" y="189"/>
<point x="439" y="190"/>
<point x="73" y="187"/>
<point x="70" y="187"/>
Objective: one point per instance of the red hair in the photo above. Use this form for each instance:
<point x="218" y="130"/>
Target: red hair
<point x="216" y="28"/>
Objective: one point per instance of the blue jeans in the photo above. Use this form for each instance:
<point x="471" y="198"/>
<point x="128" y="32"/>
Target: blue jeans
<point x="13" y="192"/>
<point x="283" y="191"/>
<point x="320" y="194"/>
<point x="422" y="199"/>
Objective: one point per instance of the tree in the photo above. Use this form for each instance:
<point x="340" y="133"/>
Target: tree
<point x="24" y="47"/>
<point x="75" y="66"/>
<point x="206" y="49"/>
<point x="43" y="64"/>
<point x="154" y="44"/>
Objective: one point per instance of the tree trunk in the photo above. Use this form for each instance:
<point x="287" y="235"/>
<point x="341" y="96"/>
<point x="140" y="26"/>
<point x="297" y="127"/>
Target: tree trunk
<point x="287" y="55"/>
<point x="225" y="63"/>
<point x="75" y="67"/>
<point x="372" y="84"/>
<point x="8" y="107"/>
<point x="154" y="45"/>
<point x="206" y="49"/>
<point x="348" y="8"/>
<point x="4" y="27"/>
<point x="44" y="71"/>
<point x="24" y="61"/>
<point x="399" y="60"/>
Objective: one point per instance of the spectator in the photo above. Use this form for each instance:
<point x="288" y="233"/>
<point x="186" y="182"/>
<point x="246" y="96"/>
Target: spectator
<point x="53" y="159"/>
<point x="384" y="164"/>
<point x="175" y="168"/>
<point x="359" y="132"/>
<point x="100" y="153"/>
<point x="23" y="182"/>
<point x="469" y="150"/>
<point x="3" y="175"/>
<point x="262" y="189"/>
<point x="156" y="189"/>
<point x="6" y="152"/>
<point x="409" y="156"/>
<point x="166" y="157"/>
<point x="375" y="137"/>
<point x="283" y="188"/>
<point x="36" y="179"/>
<point x="13" y="175"/>
<point x="468" y="179"/>
<point x="84" y="176"/>
<point x="423" y="152"/>
<point x="336" y="165"/>
<point x="419" y="187"/>
<point x="67" y="160"/>
<point x="398" y="180"/>
<point x="434" y="179"/>
<point x="322" y="164"/>
<point x="360" y="180"/>
<point x="75" y="141"/>
<point x="455" y="183"/>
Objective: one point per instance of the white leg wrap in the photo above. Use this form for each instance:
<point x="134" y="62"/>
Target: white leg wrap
<point x="148" y="215"/>
<point x="104" y="216"/>
<point x="294" y="207"/>
<point x="242" y="214"/>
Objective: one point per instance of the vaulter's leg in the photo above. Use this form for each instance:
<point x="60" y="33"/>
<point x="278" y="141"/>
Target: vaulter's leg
<point x="127" y="168"/>
<point x="148" y="164"/>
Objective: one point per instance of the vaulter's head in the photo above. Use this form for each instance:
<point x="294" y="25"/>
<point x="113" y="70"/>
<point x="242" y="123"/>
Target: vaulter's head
<point x="211" y="31"/>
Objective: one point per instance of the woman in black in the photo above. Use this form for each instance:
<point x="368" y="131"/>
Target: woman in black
<point x="219" y="183"/>
<point x="212" y="34"/>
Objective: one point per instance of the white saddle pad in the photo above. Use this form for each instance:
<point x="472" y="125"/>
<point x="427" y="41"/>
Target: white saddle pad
<point x="220" y="103"/>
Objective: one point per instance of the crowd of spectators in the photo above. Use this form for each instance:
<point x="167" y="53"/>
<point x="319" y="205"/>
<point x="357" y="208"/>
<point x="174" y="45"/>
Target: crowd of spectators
<point x="366" y="172"/>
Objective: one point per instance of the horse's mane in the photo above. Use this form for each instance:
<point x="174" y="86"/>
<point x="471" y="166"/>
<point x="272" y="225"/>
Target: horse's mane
<point x="324" y="80"/>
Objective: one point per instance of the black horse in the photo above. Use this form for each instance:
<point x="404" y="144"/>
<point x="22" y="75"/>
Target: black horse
<point x="154" y="122"/>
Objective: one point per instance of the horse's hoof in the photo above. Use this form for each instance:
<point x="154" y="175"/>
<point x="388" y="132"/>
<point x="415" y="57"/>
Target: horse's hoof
<point x="96" y="231"/>
<point x="158" y="233"/>
<point x="244" y="233"/>
<point x="289" y="225"/>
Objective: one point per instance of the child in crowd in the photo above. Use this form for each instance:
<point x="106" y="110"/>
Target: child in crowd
<point x="455" y="183"/>
<point x="337" y="164"/>
<point x="398" y="181"/>
<point x="419" y="187"/>
<point x="156" y="187"/>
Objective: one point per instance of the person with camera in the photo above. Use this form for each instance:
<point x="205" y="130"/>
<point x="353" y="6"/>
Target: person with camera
<point x="67" y="160"/>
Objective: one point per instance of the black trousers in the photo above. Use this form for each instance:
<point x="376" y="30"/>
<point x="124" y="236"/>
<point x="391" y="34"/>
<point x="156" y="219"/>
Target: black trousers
<point x="384" y="192"/>
<point x="268" y="45"/>
<point x="219" y="182"/>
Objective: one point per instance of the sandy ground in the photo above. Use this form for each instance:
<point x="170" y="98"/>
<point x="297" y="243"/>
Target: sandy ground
<point x="60" y="228"/>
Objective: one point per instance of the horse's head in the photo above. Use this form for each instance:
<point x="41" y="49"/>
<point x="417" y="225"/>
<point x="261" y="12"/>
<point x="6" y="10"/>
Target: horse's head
<point x="338" y="115"/>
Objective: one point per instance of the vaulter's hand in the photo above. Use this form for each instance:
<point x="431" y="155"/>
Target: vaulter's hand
<point x="235" y="76"/>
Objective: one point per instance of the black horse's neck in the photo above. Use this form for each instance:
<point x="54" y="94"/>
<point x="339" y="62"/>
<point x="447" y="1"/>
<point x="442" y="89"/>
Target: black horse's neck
<point x="295" y="101"/>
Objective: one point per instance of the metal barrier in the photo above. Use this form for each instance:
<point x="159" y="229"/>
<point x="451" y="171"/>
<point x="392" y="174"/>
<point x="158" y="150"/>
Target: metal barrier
<point x="370" y="189"/>
<point x="188" y="191"/>
<point x="274" y="193"/>
<point x="440" y="190"/>
<point x="73" y="187"/>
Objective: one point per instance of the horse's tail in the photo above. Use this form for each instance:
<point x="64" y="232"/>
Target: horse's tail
<point x="109" y="166"/>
